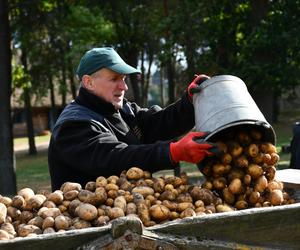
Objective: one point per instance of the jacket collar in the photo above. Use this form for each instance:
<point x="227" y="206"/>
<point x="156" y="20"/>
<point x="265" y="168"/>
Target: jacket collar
<point x="94" y="102"/>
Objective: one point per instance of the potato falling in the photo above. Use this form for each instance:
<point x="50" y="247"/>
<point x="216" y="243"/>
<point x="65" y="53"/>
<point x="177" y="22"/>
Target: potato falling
<point x="246" y="168"/>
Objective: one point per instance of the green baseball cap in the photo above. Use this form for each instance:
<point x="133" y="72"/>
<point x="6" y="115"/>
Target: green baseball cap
<point x="106" y="57"/>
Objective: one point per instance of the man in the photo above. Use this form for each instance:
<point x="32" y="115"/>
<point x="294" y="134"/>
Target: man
<point x="101" y="133"/>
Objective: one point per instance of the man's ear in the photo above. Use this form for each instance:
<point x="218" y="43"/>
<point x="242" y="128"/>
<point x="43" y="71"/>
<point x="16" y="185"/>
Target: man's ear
<point x="87" y="82"/>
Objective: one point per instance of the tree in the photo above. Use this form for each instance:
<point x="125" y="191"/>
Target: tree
<point x="7" y="173"/>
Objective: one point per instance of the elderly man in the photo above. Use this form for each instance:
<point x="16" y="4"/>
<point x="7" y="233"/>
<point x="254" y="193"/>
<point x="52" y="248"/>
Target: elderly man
<point x="101" y="133"/>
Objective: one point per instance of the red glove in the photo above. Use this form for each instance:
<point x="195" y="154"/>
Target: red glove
<point x="189" y="149"/>
<point x="194" y="85"/>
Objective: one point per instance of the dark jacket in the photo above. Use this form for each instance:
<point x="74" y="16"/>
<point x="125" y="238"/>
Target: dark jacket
<point x="91" y="138"/>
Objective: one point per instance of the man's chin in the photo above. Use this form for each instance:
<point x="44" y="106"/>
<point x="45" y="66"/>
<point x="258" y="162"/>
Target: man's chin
<point x="118" y="105"/>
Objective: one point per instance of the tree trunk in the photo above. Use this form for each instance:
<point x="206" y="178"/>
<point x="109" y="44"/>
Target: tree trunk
<point x="53" y="111"/>
<point x="71" y="79"/>
<point x="28" y="109"/>
<point x="7" y="169"/>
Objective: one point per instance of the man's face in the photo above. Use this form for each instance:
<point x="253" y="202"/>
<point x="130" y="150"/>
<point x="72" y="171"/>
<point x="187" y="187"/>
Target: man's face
<point x="108" y="85"/>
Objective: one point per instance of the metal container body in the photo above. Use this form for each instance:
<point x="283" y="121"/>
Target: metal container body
<point x="224" y="102"/>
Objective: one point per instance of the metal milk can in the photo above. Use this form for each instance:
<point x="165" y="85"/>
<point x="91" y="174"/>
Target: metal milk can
<point x="223" y="104"/>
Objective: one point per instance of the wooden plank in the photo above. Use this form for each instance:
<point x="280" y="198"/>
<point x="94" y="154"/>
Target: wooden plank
<point x="272" y="227"/>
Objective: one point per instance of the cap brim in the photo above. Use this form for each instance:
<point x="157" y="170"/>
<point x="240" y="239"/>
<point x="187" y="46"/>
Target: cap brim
<point x="124" y="69"/>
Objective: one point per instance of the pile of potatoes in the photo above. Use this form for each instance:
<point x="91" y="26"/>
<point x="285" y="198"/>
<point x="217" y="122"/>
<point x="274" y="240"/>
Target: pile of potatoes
<point x="242" y="175"/>
<point x="134" y="193"/>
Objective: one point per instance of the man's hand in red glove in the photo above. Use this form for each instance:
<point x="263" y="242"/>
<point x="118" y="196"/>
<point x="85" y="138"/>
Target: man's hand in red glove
<point x="194" y="85"/>
<point x="191" y="148"/>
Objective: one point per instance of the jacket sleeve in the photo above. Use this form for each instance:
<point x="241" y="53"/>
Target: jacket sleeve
<point x="168" y="123"/>
<point x="84" y="145"/>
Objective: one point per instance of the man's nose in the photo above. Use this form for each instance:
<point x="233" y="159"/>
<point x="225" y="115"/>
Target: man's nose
<point x="123" y="85"/>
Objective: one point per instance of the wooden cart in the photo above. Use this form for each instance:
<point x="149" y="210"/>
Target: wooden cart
<point x="256" y="228"/>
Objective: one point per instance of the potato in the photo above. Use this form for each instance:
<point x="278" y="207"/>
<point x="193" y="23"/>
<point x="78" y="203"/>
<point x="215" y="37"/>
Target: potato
<point x="183" y="206"/>
<point x="6" y="201"/>
<point x="259" y="158"/>
<point x="203" y="194"/>
<point x="241" y="162"/>
<point x="51" y="212"/>
<point x="222" y="146"/>
<point x="57" y="197"/>
<point x="228" y="196"/>
<point x="113" y="179"/>
<point x="235" y="186"/>
<point x="189" y="212"/>
<point x="69" y="186"/>
<point x="184" y="178"/>
<point x="120" y="202"/>
<point x="159" y="212"/>
<point x="219" y="169"/>
<point x="4" y="235"/>
<point x="134" y="173"/>
<point x="235" y="149"/>
<point x="224" y="208"/>
<point x="26" y="216"/>
<point x="167" y="195"/>
<point x="173" y="215"/>
<point x="13" y="212"/>
<point x="3" y="213"/>
<point x="172" y="206"/>
<point x="252" y="150"/>
<point x="267" y="159"/>
<point x="199" y="203"/>
<point x="48" y="230"/>
<point x="111" y="186"/>
<point x="241" y="204"/>
<point x="101" y="194"/>
<point x="71" y="195"/>
<point x="101" y="221"/>
<point x="254" y="197"/>
<point x="174" y="180"/>
<point x="49" y="204"/>
<point x="48" y="222"/>
<point x="36" y="221"/>
<point x="274" y="159"/>
<point x="145" y="191"/>
<point x="9" y="228"/>
<point x="18" y="201"/>
<point x="268" y="148"/>
<point x="143" y="213"/>
<point x="86" y="212"/>
<point x="62" y="222"/>
<point x="80" y="223"/>
<point x="101" y="181"/>
<point x="255" y="171"/>
<point x="159" y="185"/>
<point x="131" y="208"/>
<point x="226" y="159"/>
<point x="25" y="230"/>
<point x="247" y="179"/>
<point x="256" y="134"/>
<point x="270" y="173"/>
<point x="26" y="193"/>
<point x="276" y="197"/>
<point x="208" y="185"/>
<point x="73" y="205"/>
<point x="261" y="184"/>
<point x="272" y="185"/>
<point x="219" y="183"/>
<point x="243" y="138"/>
<point x="184" y="197"/>
<point x="236" y="173"/>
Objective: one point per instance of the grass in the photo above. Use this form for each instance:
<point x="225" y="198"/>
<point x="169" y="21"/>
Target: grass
<point x="32" y="171"/>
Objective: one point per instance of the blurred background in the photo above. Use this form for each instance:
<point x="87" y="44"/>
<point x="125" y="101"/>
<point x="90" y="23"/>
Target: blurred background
<point x="168" y="40"/>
